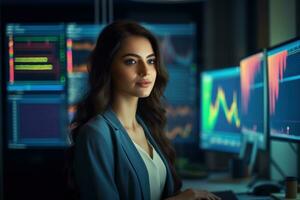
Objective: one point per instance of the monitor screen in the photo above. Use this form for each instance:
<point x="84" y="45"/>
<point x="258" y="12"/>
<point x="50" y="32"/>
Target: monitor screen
<point x="220" y="110"/>
<point x="253" y="113"/>
<point x="37" y="120"/>
<point x="178" y="48"/>
<point x="36" y="86"/>
<point x="36" y="57"/>
<point x="283" y="86"/>
<point x="81" y="40"/>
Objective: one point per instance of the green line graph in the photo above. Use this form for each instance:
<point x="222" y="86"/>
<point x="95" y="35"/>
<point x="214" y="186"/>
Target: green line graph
<point x="211" y="111"/>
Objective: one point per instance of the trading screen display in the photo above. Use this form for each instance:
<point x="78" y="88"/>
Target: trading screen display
<point x="178" y="48"/>
<point x="36" y="120"/>
<point x="81" y="40"/>
<point x="284" y="98"/>
<point x="36" y="57"/>
<point x="36" y="86"/>
<point x="253" y="122"/>
<point x="220" y="110"/>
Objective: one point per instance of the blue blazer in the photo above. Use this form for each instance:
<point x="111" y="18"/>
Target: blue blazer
<point x="107" y="165"/>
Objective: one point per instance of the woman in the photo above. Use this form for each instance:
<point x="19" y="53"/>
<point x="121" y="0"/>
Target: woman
<point x="120" y="151"/>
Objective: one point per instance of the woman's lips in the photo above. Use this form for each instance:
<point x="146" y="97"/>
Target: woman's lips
<point x="143" y="84"/>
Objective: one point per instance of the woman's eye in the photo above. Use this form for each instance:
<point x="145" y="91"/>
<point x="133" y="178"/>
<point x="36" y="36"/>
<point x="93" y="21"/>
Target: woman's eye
<point x="152" y="61"/>
<point x="130" y="61"/>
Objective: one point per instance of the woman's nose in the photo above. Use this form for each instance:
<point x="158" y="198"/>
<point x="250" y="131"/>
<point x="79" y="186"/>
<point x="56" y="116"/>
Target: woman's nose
<point x="143" y="68"/>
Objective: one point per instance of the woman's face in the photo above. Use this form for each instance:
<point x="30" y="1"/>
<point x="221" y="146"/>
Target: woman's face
<point x="134" y="68"/>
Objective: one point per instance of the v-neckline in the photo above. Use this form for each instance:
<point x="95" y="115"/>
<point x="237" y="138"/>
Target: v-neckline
<point x="130" y="149"/>
<point x="143" y="150"/>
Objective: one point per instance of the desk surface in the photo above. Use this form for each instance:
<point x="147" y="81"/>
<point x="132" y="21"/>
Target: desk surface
<point x="282" y="196"/>
<point x="222" y="182"/>
<point x="219" y="182"/>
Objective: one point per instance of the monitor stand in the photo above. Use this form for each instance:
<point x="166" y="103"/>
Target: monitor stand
<point x="248" y="154"/>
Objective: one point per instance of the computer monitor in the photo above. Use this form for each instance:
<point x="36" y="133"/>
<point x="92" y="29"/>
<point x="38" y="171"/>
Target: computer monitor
<point x="283" y="86"/>
<point x="220" y="110"/>
<point x="178" y="48"/>
<point x="253" y="106"/>
<point x="36" y="86"/>
<point x="81" y="40"/>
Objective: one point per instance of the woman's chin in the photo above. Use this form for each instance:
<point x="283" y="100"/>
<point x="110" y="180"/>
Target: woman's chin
<point x="143" y="94"/>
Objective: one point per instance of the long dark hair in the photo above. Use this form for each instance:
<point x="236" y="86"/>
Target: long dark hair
<point x="99" y="96"/>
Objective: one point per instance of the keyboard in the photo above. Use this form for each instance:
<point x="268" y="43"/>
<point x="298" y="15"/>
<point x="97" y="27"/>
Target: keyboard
<point x="227" y="195"/>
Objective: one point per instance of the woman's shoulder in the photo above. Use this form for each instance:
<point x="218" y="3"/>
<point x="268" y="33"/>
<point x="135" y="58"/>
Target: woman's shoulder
<point x="96" y="127"/>
<point x="94" y="137"/>
<point x="98" y="122"/>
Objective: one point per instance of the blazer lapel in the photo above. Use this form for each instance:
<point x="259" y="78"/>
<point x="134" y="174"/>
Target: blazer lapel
<point x="169" y="187"/>
<point x="131" y="152"/>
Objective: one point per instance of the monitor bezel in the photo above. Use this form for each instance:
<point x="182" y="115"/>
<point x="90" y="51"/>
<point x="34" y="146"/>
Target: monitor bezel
<point x="260" y="146"/>
<point x="5" y="76"/>
<point x="272" y="137"/>
<point x="200" y="109"/>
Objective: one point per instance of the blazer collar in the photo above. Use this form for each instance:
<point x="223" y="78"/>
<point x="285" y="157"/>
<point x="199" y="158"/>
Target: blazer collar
<point x="136" y="161"/>
<point x="169" y="186"/>
<point x="130" y="151"/>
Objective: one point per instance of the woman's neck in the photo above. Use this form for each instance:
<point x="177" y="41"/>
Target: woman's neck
<point x="125" y="109"/>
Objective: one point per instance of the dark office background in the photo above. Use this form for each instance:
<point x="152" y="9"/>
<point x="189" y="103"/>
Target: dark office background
<point x="227" y="31"/>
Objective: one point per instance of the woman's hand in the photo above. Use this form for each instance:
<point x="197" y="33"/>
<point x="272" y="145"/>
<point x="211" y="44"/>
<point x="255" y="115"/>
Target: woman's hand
<point x="192" y="194"/>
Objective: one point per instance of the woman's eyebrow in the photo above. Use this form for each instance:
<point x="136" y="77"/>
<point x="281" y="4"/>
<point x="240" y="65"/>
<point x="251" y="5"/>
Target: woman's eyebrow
<point x="136" y="55"/>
